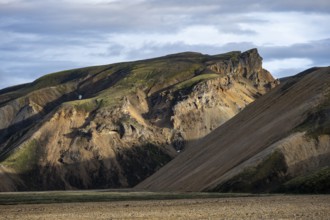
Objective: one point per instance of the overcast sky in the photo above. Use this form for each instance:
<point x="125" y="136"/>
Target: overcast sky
<point x="43" y="36"/>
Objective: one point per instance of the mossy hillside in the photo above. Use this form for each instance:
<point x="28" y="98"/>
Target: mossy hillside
<point x="54" y="79"/>
<point x="58" y="80"/>
<point x="153" y="70"/>
<point x="25" y="158"/>
<point x="143" y="75"/>
<point x="167" y="71"/>
<point x="112" y="97"/>
<point x="314" y="182"/>
<point x="157" y="73"/>
<point x="265" y="177"/>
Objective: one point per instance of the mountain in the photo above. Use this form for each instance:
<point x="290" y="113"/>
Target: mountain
<point x="114" y="125"/>
<point x="279" y="143"/>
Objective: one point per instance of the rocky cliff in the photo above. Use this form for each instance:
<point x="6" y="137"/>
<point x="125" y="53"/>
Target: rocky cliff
<point x="112" y="126"/>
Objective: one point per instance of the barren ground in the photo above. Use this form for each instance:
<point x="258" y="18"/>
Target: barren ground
<point x="265" y="207"/>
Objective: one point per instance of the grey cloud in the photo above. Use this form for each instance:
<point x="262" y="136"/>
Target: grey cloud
<point x="317" y="51"/>
<point x="56" y="18"/>
<point x="69" y="24"/>
<point x="34" y="34"/>
<point x="284" y="72"/>
<point x="25" y="69"/>
<point x="49" y="17"/>
<point x="115" y="50"/>
<point x="303" y="5"/>
<point x="225" y="6"/>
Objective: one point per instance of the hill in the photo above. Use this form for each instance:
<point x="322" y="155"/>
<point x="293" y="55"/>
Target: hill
<point x="114" y="125"/>
<point x="279" y="143"/>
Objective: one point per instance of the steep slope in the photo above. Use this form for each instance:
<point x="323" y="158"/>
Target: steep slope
<point x="115" y="125"/>
<point x="281" y="136"/>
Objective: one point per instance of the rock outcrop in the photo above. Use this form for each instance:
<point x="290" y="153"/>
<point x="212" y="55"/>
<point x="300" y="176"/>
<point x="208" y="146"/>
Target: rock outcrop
<point x="113" y="126"/>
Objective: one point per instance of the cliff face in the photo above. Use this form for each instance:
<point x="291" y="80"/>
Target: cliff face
<point x="279" y="143"/>
<point x="115" y="125"/>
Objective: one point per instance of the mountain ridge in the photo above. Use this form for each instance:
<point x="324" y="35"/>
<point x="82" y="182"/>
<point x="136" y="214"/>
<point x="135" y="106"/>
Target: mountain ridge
<point x="114" y="125"/>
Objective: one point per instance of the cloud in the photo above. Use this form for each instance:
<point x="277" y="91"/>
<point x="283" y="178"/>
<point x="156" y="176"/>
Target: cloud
<point x="280" y="67"/>
<point x="318" y="51"/>
<point x="39" y="37"/>
<point x="254" y="5"/>
<point x="7" y="79"/>
<point x="289" y="60"/>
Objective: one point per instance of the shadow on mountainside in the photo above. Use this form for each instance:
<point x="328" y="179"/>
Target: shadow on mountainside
<point x="129" y="167"/>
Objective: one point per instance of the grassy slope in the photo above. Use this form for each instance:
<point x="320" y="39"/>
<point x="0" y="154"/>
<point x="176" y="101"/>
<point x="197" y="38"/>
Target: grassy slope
<point x="23" y="159"/>
<point x="264" y="177"/>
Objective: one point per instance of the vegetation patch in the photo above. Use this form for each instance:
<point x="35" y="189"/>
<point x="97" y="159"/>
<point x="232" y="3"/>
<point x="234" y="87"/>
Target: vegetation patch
<point x="315" y="182"/>
<point x="265" y="177"/>
<point x="86" y="105"/>
<point x="24" y="159"/>
<point x="193" y="81"/>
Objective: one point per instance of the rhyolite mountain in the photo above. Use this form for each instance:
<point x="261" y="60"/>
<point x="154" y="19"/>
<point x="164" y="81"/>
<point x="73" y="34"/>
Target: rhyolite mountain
<point x="114" y="125"/>
<point x="279" y="143"/>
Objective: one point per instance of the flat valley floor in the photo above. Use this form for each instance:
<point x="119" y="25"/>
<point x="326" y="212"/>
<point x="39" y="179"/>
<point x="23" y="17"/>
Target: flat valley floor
<point x="265" y="207"/>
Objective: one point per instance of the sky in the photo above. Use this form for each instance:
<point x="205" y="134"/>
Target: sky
<point x="44" y="36"/>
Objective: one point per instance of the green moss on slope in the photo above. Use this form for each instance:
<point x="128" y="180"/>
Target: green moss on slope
<point x="265" y="177"/>
<point x="24" y="159"/>
<point x="85" y="105"/>
<point x="315" y="182"/>
<point x="193" y="81"/>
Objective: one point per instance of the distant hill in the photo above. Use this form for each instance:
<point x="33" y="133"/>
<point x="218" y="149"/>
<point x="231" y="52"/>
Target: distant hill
<point x="112" y="126"/>
<point x="279" y="143"/>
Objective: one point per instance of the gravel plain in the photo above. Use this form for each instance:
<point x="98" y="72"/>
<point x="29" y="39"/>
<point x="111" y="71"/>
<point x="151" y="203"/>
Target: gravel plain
<point x="267" y="207"/>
